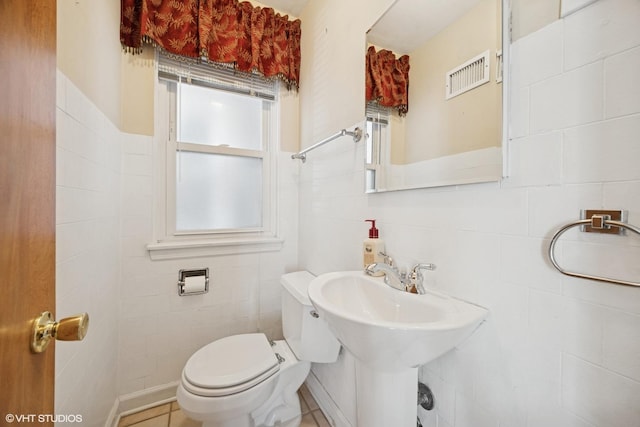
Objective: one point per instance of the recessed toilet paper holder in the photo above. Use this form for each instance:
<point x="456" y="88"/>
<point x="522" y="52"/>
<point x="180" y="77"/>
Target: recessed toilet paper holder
<point x="193" y="282"/>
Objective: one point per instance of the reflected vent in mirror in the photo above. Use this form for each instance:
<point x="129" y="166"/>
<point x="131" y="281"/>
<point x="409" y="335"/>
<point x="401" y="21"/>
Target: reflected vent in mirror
<point x="471" y="74"/>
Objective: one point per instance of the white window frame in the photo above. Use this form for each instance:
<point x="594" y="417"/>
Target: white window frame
<point x="171" y="244"/>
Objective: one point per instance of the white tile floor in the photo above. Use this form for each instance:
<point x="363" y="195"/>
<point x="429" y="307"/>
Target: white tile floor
<point x="170" y="415"/>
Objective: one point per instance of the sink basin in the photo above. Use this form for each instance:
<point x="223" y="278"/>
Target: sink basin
<point x="390" y="333"/>
<point x="387" y="329"/>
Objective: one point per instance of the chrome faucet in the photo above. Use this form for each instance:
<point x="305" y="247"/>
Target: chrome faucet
<point x="392" y="276"/>
<point x="400" y="280"/>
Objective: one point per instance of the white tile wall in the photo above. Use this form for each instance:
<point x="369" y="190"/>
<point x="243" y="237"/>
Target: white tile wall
<point x="598" y="395"/>
<point x="622" y="91"/>
<point x="559" y="102"/>
<point x="87" y="253"/>
<point x="604" y="29"/>
<point x="587" y="159"/>
<point x="556" y="351"/>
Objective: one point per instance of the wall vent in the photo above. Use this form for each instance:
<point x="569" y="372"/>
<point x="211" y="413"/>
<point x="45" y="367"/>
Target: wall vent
<point x="471" y="74"/>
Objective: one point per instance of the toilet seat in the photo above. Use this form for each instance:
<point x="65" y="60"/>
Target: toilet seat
<point x="230" y="365"/>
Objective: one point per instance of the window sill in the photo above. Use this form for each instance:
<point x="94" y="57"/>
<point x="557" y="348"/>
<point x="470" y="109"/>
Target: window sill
<point x="204" y="248"/>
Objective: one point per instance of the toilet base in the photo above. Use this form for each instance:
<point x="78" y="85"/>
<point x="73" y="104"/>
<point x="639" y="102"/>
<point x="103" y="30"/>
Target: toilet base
<point x="293" y="422"/>
<point x="284" y="405"/>
<point x="236" y="422"/>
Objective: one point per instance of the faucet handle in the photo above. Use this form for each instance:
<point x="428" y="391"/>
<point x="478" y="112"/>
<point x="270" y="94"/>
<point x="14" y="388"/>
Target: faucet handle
<point x="387" y="259"/>
<point x="423" y="266"/>
<point x="416" y="276"/>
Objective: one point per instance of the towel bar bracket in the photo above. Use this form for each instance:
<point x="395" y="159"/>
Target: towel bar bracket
<point x="600" y="219"/>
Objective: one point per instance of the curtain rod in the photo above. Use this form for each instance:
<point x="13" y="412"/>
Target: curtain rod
<point x="356" y="134"/>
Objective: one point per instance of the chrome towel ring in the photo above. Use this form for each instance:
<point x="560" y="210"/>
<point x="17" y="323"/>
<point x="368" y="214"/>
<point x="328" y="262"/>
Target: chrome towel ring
<point x="598" y="222"/>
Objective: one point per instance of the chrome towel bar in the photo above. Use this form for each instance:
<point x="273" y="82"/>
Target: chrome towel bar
<point x="356" y="134"/>
<point x="597" y="222"/>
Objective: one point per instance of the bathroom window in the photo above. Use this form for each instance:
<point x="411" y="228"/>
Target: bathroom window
<point x="215" y="131"/>
<point x="376" y="146"/>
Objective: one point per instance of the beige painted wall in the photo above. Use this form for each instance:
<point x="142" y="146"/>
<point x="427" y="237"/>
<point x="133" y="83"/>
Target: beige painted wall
<point x="88" y="44"/>
<point x="435" y="126"/>
<point x="90" y="55"/>
<point x="138" y="92"/>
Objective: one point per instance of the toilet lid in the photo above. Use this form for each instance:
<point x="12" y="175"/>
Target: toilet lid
<point x="230" y="365"/>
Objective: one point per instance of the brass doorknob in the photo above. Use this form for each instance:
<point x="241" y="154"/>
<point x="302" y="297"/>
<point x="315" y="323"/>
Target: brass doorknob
<point x="72" y="328"/>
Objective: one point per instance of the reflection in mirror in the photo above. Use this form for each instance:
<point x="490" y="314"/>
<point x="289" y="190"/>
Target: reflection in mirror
<point x="453" y="130"/>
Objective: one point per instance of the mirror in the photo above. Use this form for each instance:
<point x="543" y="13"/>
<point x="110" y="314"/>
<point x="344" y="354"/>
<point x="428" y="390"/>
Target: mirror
<point x="453" y="132"/>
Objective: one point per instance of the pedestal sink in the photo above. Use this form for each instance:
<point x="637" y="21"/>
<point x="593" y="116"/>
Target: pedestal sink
<point x="390" y="333"/>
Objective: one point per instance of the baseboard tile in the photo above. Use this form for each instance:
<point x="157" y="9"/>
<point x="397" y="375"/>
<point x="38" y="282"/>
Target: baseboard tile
<point x="141" y="400"/>
<point x="327" y="405"/>
<point x="113" y="418"/>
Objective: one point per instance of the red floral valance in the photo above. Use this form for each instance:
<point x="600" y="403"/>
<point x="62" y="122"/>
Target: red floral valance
<point x="387" y="79"/>
<point x="227" y="31"/>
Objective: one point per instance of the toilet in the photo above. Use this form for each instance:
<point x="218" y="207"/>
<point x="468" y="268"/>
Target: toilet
<point x="247" y="381"/>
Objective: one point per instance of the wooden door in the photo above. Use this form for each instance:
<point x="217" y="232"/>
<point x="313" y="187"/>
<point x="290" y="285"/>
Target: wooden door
<point x="27" y="203"/>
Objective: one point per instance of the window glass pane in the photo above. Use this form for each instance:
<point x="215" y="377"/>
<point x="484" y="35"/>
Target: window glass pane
<point x="214" y="117"/>
<point x="376" y="141"/>
<point x="370" y="180"/>
<point x="368" y="157"/>
<point x="215" y="191"/>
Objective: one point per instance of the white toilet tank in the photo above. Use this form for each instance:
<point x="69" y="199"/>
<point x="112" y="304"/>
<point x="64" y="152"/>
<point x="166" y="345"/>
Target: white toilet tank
<point x="308" y="335"/>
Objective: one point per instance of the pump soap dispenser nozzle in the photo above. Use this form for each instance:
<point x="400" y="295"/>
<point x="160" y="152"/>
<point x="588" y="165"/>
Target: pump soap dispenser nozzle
<point x="373" y="231"/>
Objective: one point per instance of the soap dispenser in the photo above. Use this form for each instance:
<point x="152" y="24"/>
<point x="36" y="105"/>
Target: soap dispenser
<point x="373" y="246"/>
